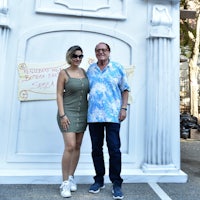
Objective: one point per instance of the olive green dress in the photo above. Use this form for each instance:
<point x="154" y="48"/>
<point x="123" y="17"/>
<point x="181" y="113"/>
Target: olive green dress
<point x="75" y="104"/>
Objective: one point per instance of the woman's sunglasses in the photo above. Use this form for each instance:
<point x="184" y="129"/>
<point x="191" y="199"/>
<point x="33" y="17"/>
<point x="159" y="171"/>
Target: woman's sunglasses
<point x="77" y="56"/>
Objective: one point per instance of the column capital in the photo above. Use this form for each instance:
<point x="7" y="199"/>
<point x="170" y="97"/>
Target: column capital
<point x="161" y="22"/>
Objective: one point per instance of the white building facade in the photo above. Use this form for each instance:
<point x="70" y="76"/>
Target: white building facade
<point x="35" y="35"/>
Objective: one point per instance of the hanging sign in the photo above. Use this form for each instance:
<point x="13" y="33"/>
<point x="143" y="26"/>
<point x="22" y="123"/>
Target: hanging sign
<point x="38" y="81"/>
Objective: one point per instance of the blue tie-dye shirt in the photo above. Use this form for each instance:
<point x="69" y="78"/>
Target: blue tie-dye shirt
<point x="106" y="87"/>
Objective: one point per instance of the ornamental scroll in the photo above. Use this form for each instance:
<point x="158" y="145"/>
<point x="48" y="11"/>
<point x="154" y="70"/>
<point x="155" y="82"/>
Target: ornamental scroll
<point x="38" y="81"/>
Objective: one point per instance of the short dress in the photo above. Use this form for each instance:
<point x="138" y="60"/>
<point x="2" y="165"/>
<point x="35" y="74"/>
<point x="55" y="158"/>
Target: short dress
<point x="75" y="104"/>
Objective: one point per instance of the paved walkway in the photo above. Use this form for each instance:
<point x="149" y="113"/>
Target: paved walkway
<point x="190" y="156"/>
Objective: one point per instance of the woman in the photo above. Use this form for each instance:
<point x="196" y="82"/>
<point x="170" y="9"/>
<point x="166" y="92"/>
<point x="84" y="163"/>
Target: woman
<point x="72" y="90"/>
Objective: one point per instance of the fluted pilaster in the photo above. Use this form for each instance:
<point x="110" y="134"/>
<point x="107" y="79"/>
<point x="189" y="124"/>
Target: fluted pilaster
<point x="4" y="32"/>
<point x="158" y="153"/>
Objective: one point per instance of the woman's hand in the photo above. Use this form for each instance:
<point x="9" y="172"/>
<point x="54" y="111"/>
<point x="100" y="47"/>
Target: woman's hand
<point x="65" y="122"/>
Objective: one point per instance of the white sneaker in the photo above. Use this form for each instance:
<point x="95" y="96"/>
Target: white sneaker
<point x="65" y="189"/>
<point x="73" y="186"/>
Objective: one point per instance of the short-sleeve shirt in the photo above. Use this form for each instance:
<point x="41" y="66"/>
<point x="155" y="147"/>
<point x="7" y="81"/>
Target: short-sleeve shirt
<point x="105" y="96"/>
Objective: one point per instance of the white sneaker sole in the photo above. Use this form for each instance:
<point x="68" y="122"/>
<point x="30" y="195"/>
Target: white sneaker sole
<point x="73" y="189"/>
<point x="118" y="197"/>
<point x="66" y="196"/>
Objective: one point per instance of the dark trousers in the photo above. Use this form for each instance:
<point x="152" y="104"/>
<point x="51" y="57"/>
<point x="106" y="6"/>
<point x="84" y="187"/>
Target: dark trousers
<point x="113" y="144"/>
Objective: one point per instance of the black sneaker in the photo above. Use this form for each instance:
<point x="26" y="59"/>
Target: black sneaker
<point x="96" y="187"/>
<point x="117" y="192"/>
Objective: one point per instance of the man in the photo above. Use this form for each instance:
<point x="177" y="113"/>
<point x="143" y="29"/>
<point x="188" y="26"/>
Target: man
<point x="108" y="100"/>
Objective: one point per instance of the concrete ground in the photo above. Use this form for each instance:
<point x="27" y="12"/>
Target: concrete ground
<point x="190" y="164"/>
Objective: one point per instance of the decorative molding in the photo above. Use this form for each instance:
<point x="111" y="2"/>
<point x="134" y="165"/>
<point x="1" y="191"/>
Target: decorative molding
<point x="108" y="9"/>
<point x="83" y="27"/>
<point x="80" y="5"/>
<point x="160" y="16"/>
<point x="161" y="22"/>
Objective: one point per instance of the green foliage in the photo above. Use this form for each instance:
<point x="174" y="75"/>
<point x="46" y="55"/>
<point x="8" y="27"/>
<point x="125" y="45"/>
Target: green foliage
<point x="186" y="43"/>
<point x="182" y="2"/>
<point x="187" y="25"/>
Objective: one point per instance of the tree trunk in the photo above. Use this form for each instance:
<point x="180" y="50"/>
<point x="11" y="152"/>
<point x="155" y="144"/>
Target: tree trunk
<point x="193" y="72"/>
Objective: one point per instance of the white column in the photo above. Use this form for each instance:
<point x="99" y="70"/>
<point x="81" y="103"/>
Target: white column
<point x="4" y="32"/>
<point x="158" y="153"/>
<point x="4" y="36"/>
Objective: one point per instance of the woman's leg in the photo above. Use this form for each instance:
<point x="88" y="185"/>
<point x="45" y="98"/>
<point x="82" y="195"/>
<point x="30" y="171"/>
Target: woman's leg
<point x="76" y="153"/>
<point x="70" y="143"/>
